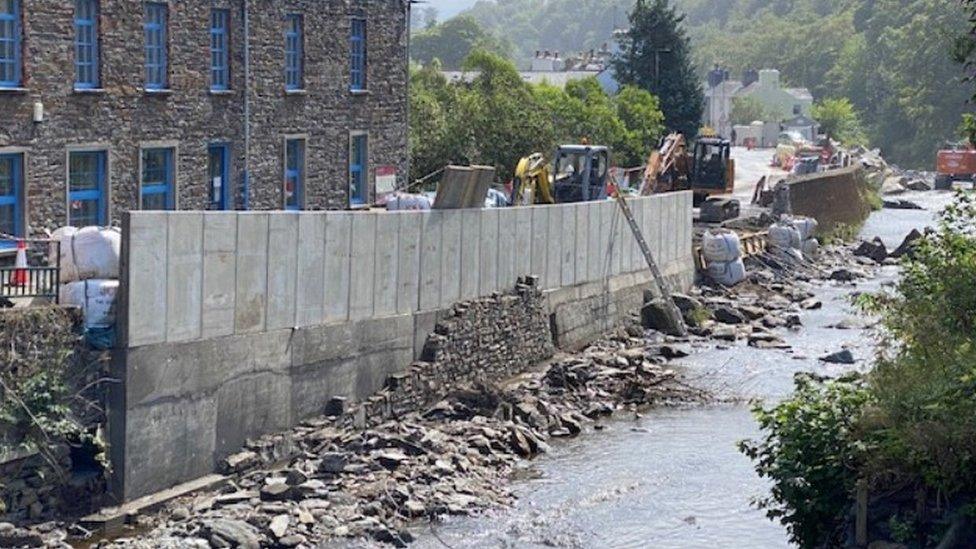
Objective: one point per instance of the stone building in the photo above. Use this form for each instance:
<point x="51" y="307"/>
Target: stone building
<point x="112" y="105"/>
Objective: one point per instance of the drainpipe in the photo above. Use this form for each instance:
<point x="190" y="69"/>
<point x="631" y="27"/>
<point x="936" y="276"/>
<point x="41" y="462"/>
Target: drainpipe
<point x="247" y="108"/>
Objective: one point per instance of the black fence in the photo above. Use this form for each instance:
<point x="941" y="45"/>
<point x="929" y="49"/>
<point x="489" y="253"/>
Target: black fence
<point x="34" y="280"/>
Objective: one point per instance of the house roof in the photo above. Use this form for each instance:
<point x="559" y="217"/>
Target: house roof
<point x="558" y="79"/>
<point x="726" y="88"/>
<point x="802" y="94"/>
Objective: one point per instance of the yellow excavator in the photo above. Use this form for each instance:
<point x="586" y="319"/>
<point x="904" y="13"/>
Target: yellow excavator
<point x="578" y="174"/>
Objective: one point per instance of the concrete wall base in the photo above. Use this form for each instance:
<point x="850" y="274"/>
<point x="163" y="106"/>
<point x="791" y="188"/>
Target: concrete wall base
<point x="181" y="407"/>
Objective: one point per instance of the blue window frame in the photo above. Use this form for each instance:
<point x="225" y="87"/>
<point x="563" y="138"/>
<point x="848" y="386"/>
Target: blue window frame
<point x="219" y="172"/>
<point x="86" y="44"/>
<point x="294" y="52"/>
<point x="294" y="174"/>
<point x="358" y="160"/>
<point x="11" y="185"/>
<point x="357" y="55"/>
<point x="157" y="183"/>
<point x="87" y="184"/>
<point x="10" y="37"/>
<point x="157" y="62"/>
<point x="219" y="52"/>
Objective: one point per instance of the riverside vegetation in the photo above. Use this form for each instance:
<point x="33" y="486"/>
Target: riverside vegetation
<point x="907" y="428"/>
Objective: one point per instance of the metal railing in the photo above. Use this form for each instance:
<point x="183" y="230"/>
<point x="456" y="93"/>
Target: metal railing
<point x="33" y="280"/>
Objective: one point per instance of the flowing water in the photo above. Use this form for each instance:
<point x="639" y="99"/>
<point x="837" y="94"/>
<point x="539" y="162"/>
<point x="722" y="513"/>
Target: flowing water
<point x="674" y="477"/>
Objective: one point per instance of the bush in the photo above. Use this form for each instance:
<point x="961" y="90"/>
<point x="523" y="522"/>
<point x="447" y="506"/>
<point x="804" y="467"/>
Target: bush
<point x="812" y="454"/>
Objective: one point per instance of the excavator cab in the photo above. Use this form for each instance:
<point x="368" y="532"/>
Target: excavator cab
<point x="581" y="173"/>
<point x="712" y="168"/>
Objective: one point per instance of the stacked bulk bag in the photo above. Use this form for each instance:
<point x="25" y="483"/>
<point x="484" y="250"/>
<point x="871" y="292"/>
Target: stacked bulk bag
<point x="794" y="235"/>
<point x="89" y="265"/>
<point x="723" y="257"/>
<point x="784" y="236"/>
<point x="807" y="226"/>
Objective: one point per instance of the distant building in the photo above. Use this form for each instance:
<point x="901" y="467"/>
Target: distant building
<point x="764" y="85"/>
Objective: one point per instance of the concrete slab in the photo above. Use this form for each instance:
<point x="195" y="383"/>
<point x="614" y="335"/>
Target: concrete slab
<point x="523" y="241"/>
<point x="450" y="270"/>
<point x="250" y="309"/>
<point x="338" y="249"/>
<point x="431" y="230"/>
<point x="606" y="240"/>
<point x="488" y="279"/>
<point x="594" y="239"/>
<point x="184" y="276"/>
<point x="554" y="252"/>
<point x="146" y="271"/>
<point x="387" y="263"/>
<point x="219" y="273"/>
<point x="282" y="269"/>
<point x="408" y="259"/>
<point x="617" y="221"/>
<point x="310" y="284"/>
<point x="540" y="242"/>
<point x="361" y="296"/>
<point x="582" y="238"/>
<point x="507" y="234"/>
<point x="470" y="253"/>
<point x="568" y="238"/>
<point x="109" y="520"/>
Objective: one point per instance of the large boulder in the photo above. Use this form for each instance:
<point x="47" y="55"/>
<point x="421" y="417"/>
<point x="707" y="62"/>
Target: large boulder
<point x="658" y="315"/>
<point x="907" y="245"/>
<point x="874" y="249"/>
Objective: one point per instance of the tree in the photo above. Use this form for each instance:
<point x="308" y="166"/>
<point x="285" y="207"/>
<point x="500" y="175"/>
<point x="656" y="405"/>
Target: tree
<point x="968" y="128"/>
<point x="452" y="41"/>
<point x="656" y="56"/>
<point x="746" y="110"/>
<point x="641" y="115"/>
<point x="838" y="120"/>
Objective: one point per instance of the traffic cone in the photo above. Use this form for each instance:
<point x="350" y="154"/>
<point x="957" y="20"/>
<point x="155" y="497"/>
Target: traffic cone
<point x="20" y="266"/>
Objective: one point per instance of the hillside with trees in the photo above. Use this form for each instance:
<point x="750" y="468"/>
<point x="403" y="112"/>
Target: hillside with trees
<point x="893" y="60"/>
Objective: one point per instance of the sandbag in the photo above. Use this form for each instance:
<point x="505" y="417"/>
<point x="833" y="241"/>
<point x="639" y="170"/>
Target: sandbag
<point x="806" y="225"/>
<point x="88" y="253"/>
<point x="720" y="246"/>
<point x="727" y="273"/>
<point x="404" y="202"/>
<point x="784" y="236"/>
<point x="95" y="298"/>
<point x="810" y="248"/>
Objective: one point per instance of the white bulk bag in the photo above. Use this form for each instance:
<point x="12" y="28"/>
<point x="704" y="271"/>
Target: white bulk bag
<point x="806" y="225"/>
<point x="720" y="246"/>
<point x="95" y="297"/>
<point x="91" y="252"/>
<point x="784" y="236"/>
<point x="727" y="273"/>
<point x="810" y="248"/>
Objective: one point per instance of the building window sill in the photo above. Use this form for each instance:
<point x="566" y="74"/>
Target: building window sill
<point x="359" y="92"/>
<point x="296" y="92"/>
<point x="162" y="91"/>
<point x="88" y="91"/>
<point x="221" y="92"/>
<point x="12" y="90"/>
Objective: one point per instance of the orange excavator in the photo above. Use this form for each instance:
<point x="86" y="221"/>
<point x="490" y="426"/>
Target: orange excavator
<point x="708" y="171"/>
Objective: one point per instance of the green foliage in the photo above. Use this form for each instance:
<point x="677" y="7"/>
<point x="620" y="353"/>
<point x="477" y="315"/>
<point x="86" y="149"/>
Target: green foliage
<point x="746" y="110"/>
<point x="812" y="452"/>
<point x="968" y="128"/>
<point x="839" y="120"/>
<point x="452" y="41"/>
<point x="656" y="56"/>
<point x="498" y="118"/>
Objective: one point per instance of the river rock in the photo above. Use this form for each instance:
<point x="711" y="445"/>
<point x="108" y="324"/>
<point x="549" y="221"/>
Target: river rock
<point x="235" y="533"/>
<point x="874" y="249"/>
<point x="907" y="245"/>
<point x="278" y="491"/>
<point x="279" y="525"/>
<point x="918" y="185"/>
<point x="729" y="315"/>
<point x="843" y="275"/>
<point x="840" y="357"/>
<point x="657" y="315"/>
<point x="901" y="204"/>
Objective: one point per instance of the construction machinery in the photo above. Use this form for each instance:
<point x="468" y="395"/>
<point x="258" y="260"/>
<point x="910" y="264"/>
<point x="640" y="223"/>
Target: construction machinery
<point x="577" y="174"/>
<point x="708" y="170"/>
<point x="955" y="162"/>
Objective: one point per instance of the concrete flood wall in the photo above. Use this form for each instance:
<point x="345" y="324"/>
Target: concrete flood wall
<point x="238" y="324"/>
<point x="833" y="198"/>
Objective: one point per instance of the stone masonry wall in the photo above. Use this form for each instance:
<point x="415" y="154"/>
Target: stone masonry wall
<point x="121" y="116"/>
<point x="481" y="341"/>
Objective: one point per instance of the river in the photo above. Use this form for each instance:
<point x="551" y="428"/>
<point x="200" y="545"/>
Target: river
<point x="674" y="477"/>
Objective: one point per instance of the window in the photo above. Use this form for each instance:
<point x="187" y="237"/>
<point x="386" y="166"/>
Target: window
<point x="294" y="174"/>
<point x="157" y="71"/>
<point x="357" y="49"/>
<point x="294" y="53"/>
<point x="219" y="171"/>
<point x="219" y="55"/>
<point x="87" y="176"/>
<point x="157" y="179"/>
<point x="797" y="110"/>
<point x="358" y="158"/>
<point x="11" y="183"/>
<point x="86" y="44"/>
<point x="9" y="43"/>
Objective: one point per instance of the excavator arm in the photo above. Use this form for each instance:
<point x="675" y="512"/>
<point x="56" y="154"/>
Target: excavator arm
<point x="532" y="184"/>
